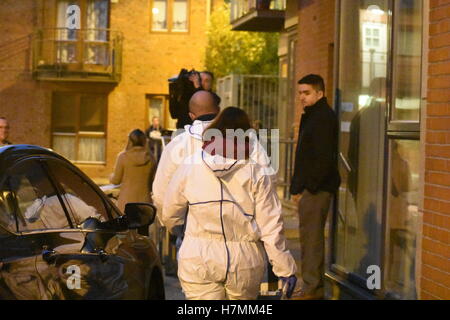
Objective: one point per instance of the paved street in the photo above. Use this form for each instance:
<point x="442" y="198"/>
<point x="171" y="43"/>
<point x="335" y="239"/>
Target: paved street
<point x="173" y="288"/>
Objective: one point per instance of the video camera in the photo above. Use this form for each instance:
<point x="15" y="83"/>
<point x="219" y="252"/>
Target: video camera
<point x="181" y="89"/>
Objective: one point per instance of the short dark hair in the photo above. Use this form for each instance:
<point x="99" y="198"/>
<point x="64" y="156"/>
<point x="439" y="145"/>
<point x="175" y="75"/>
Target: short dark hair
<point x="315" y="81"/>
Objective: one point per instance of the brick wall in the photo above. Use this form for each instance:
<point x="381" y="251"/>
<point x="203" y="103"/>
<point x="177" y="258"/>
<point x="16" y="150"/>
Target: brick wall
<point x="316" y="31"/>
<point x="435" y="275"/>
<point x="21" y="101"/>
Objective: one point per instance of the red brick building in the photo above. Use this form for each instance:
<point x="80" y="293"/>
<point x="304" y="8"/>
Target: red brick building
<point x="435" y="276"/>
<point x="82" y="91"/>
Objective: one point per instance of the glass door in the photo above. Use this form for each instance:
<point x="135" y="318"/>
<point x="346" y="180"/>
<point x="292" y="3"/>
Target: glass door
<point x="363" y="69"/>
<point x="378" y="102"/>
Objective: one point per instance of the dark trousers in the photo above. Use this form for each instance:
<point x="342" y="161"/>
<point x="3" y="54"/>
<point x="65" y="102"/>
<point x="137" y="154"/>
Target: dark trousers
<point x="313" y="211"/>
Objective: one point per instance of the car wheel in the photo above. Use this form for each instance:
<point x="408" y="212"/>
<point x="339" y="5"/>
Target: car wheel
<point x="156" y="286"/>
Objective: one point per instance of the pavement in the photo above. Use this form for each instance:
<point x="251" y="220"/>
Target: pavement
<point x="173" y="288"/>
<point x="291" y="232"/>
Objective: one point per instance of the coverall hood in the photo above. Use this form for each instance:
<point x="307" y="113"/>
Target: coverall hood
<point x="223" y="161"/>
<point x="196" y="129"/>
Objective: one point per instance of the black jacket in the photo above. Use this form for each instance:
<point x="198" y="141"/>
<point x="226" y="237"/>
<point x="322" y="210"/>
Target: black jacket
<point x="315" y="166"/>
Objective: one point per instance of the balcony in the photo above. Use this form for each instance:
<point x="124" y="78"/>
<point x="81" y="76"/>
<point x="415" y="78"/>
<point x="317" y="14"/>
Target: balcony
<point x="93" y="55"/>
<point x="258" y="15"/>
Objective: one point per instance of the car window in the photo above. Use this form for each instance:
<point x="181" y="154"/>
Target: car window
<point x="83" y="200"/>
<point x="28" y="192"/>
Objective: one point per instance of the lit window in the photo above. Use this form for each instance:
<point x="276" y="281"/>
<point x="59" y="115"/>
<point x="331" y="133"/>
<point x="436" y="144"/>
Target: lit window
<point x="180" y="10"/>
<point x="159" y="14"/>
<point x="170" y="15"/>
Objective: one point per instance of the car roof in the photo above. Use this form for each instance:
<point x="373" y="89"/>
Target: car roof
<point x="10" y="154"/>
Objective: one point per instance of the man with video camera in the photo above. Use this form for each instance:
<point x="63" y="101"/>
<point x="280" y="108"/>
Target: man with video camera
<point x="182" y="88"/>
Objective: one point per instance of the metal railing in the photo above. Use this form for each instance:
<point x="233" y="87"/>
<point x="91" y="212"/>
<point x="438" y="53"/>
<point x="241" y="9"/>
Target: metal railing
<point x="90" y="54"/>
<point x="263" y="98"/>
<point x="240" y="8"/>
<point x="259" y="95"/>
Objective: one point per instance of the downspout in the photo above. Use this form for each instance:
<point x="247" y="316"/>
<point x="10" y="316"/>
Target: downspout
<point x="423" y="128"/>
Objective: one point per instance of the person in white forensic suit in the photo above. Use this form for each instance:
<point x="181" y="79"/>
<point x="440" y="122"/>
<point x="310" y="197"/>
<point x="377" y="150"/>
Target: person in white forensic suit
<point x="202" y="110"/>
<point x="226" y="208"/>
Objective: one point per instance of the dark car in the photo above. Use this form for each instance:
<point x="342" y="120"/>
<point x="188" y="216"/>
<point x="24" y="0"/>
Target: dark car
<point x="62" y="238"/>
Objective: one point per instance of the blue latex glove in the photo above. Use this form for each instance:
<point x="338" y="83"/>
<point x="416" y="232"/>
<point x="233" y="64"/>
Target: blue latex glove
<point x="290" y="282"/>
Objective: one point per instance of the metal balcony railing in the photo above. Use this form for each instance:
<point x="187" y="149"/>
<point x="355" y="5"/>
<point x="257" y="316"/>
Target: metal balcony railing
<point x="240" y="8"/>
<point x="77" y="55"/>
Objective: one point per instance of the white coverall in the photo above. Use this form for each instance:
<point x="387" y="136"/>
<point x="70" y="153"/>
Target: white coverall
<point x="183" y="146"/>
<point x="233" y="212"/>
<point x="173" y="155"/>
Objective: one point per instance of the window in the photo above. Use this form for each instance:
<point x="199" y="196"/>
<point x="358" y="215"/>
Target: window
<point x="78" y="194"/>
<point x="407" y="61"/>
<point x="33" y="198"/>
<point x="357" y="229"/>
<point x="79" y="126"/>
<point x="89" y="44"/>
<point x="372" y="37"/>
<point x="402" y="218"/>
<point x="159" y="14"/>
<point x="158" y="107"/>
<point x="170" y="15"/>
<point x="180" y="14"/>
<point x="379" y="107"/>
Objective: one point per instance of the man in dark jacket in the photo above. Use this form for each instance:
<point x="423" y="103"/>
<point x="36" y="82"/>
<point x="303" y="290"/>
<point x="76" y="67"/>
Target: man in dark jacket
<point x="316" y="178"/>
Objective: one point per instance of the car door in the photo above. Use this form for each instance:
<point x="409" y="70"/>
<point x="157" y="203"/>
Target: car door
<point x="123" y="261"/>
<point x="32" y="218"/>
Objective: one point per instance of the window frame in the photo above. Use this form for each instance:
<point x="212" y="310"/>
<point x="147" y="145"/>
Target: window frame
<point x="81" y="134"/>
<point x="165" y="119"/>
<point x="393" y="124"/>
<point x="170" y="8"/>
